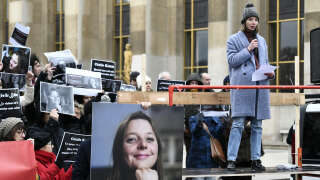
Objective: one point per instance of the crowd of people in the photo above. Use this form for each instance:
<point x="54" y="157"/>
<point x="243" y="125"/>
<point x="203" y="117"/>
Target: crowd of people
<point x="137" y="134"/>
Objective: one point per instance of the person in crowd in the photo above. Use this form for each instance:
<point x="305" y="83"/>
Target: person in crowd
<point x="47" y="168"/>
<point x="205" y="78"/>
<point x="246" y="51"/>
<point x="190" y="110"/>
<point x="81" y="167"/>
<point x="200" y="150"/>
<point x="164" y="76"/>
<point x="148" y="83"/>
<point x="12" y="129"/>
<point x="50" y="123"/>
<point x="137" y="150"/>
<point x="73" y="123"/>
<point x="133" y="78"/>
<point x="36" y="67"/>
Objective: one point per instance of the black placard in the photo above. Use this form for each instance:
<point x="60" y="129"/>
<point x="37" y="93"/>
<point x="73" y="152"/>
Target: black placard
<point x="69" y="146"/>
<point x="163" y="85"/>
<point x="109" y="85"/>
<point x="106" y="68"/>
<point x="9" y="103"/>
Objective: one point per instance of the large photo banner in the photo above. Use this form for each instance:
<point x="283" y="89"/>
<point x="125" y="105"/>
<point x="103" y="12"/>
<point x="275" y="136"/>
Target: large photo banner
<point x="164" y="138"/>
<point x="9" y="103"/>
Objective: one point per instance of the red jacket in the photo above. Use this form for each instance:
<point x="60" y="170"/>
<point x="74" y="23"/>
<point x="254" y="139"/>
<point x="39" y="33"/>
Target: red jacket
<point x="48" y="170"/>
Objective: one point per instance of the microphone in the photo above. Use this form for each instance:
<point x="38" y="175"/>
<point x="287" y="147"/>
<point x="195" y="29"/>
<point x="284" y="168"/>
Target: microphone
<point x="255" y="50"/>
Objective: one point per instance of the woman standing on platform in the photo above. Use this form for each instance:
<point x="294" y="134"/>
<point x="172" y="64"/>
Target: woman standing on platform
<point x="246" y="51"/>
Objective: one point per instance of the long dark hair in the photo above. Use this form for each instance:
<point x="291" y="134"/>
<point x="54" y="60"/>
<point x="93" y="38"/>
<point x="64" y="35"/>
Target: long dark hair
<point x="120" y="169"/>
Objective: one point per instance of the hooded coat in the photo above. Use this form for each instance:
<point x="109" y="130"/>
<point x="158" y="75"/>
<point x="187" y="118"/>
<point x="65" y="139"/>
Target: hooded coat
<point x="247" y="102"/>
<point x="48" y="170"/>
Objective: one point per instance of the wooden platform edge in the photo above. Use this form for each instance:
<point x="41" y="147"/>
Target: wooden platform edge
<point x="210" y="98"/>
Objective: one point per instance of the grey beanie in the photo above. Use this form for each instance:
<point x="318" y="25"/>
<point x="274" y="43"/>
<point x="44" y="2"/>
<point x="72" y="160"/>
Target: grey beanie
<point x="7" y="124"/>
<point x="249" y="11"/>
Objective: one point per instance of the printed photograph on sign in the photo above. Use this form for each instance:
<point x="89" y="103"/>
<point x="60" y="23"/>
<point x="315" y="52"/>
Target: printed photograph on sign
<point x="15" y="59"/>
<point x="9" y="103"/>
<point x="61" y="60"/>
<point x="119" y="130"/>
<point x="13" y="81"/>
<point x="84" y="82"/>
<point x="127" y="87"/>
<point x="53" y="96"/>
<point x="109" y="85"/>
<point x="19" y="35"/>
<point x="105" y="67"/>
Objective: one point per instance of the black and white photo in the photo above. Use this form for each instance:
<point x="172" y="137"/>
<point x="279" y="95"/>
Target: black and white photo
<point x="13" y="81"/>
<point x="53" y="96"/>
<point x="15" y="59"/>
<point x="19" y="35"/>
<point x="109" y="85"/>
<point x="84" y="82"/>
<point x="127" y="87"/>
<point x="105" y="67"/>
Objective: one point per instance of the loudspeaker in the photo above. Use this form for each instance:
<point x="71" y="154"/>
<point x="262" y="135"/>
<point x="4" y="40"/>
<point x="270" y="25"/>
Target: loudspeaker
<point x="315" y="55"/>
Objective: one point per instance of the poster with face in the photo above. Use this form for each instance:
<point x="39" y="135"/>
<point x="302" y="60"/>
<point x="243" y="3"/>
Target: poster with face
<point x="53" y="96"/>
<point x="85" y="82"/>
<point x="15" y="59"/>
<point x="123" y="138"/>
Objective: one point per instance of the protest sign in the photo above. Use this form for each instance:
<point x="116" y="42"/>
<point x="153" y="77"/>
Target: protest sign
<point x="53" y="96"/>
<point x="19" y="35"/>
<point x="15" y="59"/>
<point x="109" y="85"/>
<point x="163" y="85"/>
<point x="85" y="82"/>
<point x="9" y="103"/>
<point x="127" y="87"/>
<point x="106" y="68"/>
<point x="69" y="147"/>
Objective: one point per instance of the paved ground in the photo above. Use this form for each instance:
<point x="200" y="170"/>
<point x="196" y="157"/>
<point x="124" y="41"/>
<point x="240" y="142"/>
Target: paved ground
<point x="274" y="157"/>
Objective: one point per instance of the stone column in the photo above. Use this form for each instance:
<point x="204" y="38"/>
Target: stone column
<point x="311" y="21"/>
<point x="3" y="16"/>
<point x="217" y="38"/>
<point x="88" y="29"/>
<point x="39" y="15"/>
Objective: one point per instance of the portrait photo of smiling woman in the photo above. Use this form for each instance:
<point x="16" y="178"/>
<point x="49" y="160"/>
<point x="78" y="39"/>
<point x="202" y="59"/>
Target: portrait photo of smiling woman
<point x="15" y="60"/>
<point x="137" y="150"/>
<point x="129" y="142"/>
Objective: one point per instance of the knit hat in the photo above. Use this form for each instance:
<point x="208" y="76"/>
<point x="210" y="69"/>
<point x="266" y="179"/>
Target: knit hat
<point x="226" y="80"/>
<point x="249" y="11"/>
<point x="7" y="124"/>
<point x="41" y="137"/>
<point x="194" y="77"/>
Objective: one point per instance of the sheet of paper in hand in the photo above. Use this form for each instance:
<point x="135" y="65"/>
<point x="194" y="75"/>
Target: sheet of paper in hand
<point x="258" y="75"/>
